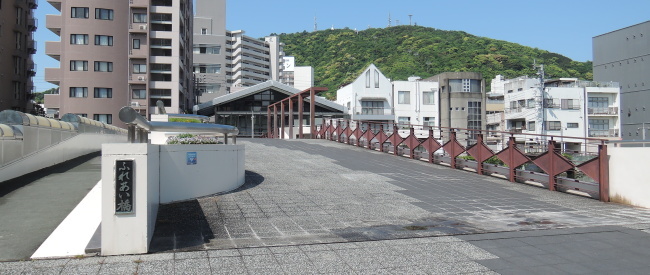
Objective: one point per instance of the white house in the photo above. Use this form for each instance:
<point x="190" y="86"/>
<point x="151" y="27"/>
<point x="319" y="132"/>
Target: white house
<point x="416" y="103"/>
<point x="567" y="107"/>
<point x="369" y="97"/>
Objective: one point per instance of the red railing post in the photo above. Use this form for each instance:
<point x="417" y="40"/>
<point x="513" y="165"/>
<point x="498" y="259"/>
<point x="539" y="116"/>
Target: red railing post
<point x="479" y="153"/>
<point x="282" y="119"/>
<point x="291" y="118"/>
<point x="312" y="111"/>
<point x="301" y="100"/>
<point x="603" y="162"/>
<point x="268" y="122"/>
<point x="452" y="153"/>
<point x="511" y="157"/>
<point x="395" y="135"/>
<point x="412" y="150"/>
<point x="275" y="121"/>
<point x="431" y="153"/>
<point x="551" y="160"/>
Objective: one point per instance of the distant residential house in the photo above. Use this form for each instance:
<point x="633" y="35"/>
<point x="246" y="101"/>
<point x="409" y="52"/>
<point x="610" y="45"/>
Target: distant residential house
<point x="562" y="107"/>
<point x="369" y="97"/>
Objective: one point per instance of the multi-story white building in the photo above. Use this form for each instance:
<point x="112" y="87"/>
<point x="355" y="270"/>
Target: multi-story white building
<point x="369" y="97"/>
<point x="373" y="97"/>
<point x="299" y="77"/>
<point x="416" y="102"/>
<point x="562" y="107"/>
<point x="229" y="61"/>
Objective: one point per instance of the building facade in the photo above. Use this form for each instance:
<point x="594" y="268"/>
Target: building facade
<point x="17" y="45"/>
<point x="299" y="77"/>
<point x="623" y="56"/>
<point x="116" y="54"/>
<point x="416" y="103"/>
<point x="563" y="107"/>
<point x="462" y="100"/>
<point x="369" y="97"/>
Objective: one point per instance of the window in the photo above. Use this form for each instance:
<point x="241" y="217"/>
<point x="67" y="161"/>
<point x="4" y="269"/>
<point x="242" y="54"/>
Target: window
<point x="474" y="119"/>
<point x="78" y="12"/>
<point x="106" y="118"/>
<point x="204" y="31"/>
<point x="139" y="93"/>
<point x="139" y="68"/>
<point x="404" y="97"/>
<point x="554" y="125"/>
<point x="599" y="128"/>
<point x="368" y="79"/>
<point x="404" y="122"/>
<point x="465" y="85"/>
<point x="530" y="103"/>
<point x="376" y="79"/>
<point x="103" y="40"/>
<point x="17" y="90"/>
<point x="103" y="66"/>
<point x="139" y="18"/>
<point x="598" y="105"/>
<point x="136" y="43"/>
<point x="78" y="92"/>
<point x="372" y="107"/>
<point x="208" y="69"/>
<point x="79" y="39"/>
<point x="103" y="92"/>
<point x="570" y="104"/>
<point x="17" y="63"/>
<point x="78" y="65"/>
<point x="572" y="125"/>
<point x="531" y="126"/>
<point x="551" y="103"/>
<point x="104" y="14"/>
<point x="207" y="49"/>
<point x="427" y="98"/>
<point x="430" y="121"/>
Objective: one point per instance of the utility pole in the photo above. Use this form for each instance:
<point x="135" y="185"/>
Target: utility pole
<point x="542" y="116"/>
<point x="410" y="16"/>
<point x="315" y="24"/>
<point x="389" y="21"/>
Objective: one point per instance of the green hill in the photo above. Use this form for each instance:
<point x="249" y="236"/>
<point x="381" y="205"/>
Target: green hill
<point x="338" y="56"/>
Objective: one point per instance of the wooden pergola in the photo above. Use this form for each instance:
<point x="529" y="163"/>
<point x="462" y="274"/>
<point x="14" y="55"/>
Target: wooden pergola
<point x="288" y="103"/>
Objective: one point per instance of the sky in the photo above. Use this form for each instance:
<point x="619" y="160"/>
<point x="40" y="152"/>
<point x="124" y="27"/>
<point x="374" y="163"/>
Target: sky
<point x="565" y="27"/>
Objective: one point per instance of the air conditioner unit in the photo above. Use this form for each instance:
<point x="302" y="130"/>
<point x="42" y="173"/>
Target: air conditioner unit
<point x="135" y="104"/>
<point x="143" y="27"/>
<point x="141" y="78"/>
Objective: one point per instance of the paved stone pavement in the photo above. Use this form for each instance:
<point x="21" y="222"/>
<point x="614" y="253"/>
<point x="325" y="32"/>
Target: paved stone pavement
<point x="314" y="206"/>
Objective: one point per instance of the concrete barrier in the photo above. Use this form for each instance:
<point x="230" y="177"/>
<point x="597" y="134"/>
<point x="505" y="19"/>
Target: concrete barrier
<point x="627" y="182"/>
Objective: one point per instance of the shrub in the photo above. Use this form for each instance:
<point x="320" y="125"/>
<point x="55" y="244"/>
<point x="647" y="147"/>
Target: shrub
<point x="190" y="120"/>
<point x="191" y="139"/>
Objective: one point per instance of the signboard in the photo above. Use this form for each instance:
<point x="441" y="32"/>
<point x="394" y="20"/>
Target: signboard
<point x="124" y="179"/>
<point x="191" y="158"/>
<point x="289" y="63"/>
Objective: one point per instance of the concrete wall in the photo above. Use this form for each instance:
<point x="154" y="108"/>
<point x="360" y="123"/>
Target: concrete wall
<point x="131" y="233"/>
<point x="628" y="183"/>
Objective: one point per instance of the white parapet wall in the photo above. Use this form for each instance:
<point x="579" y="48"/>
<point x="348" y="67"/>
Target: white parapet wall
<point x="163" y="174"/>
<point x="190" y="171"/>
<point x="628" y="182"/>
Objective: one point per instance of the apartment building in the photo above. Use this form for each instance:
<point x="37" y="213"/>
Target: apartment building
<point x="299" y="77"/>
<point x="251" y="61"/>
<point x="623" y="56"/>
<point x="564" y="107"/>
<point x="17" y="45"/>
<point x="114" y="54"/>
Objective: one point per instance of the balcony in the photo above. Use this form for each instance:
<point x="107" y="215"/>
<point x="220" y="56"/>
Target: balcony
<point x="53" y="22"/>
<point x="496" y="118"/>
<point x="32" y="24"/>
<point x="604" y="133"/>
<point x="53" y="49"/>
<point x="31" y="68"/>
<point x="32" y="4"/>
<point x="138" y="28"/>
<point x="607" y="111"/>
<point x="56" y="4"/>
<point x="31" y="47"/>
<point x="139" y="3"/>
<point x="53" y="75"/>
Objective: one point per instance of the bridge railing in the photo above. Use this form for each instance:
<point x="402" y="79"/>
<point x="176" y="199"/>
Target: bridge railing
<point x="560" y="163"/>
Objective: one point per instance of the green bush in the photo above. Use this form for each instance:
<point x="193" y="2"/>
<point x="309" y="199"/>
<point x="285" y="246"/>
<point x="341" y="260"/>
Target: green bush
<point x="492" y="160"/>
<point x="190" y="120"/>
<point x="187" y="138"/>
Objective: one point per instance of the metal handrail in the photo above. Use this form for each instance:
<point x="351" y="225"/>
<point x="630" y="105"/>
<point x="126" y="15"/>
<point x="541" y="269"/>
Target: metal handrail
<point x="130" y="116"/>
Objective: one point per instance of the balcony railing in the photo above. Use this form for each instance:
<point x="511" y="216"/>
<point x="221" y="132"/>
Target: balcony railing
<point x="603" y="111"/>
<point x="603" y="133"/>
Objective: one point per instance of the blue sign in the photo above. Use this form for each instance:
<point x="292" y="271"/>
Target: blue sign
<point x="191" y="158"/>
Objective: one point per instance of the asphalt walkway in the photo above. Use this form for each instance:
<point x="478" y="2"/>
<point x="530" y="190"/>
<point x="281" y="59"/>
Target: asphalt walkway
<point x="32" y="206"/>
<point x="314" y="206"/>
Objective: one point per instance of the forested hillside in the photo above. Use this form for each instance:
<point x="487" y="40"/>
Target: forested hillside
<point x="338" y="56"/>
